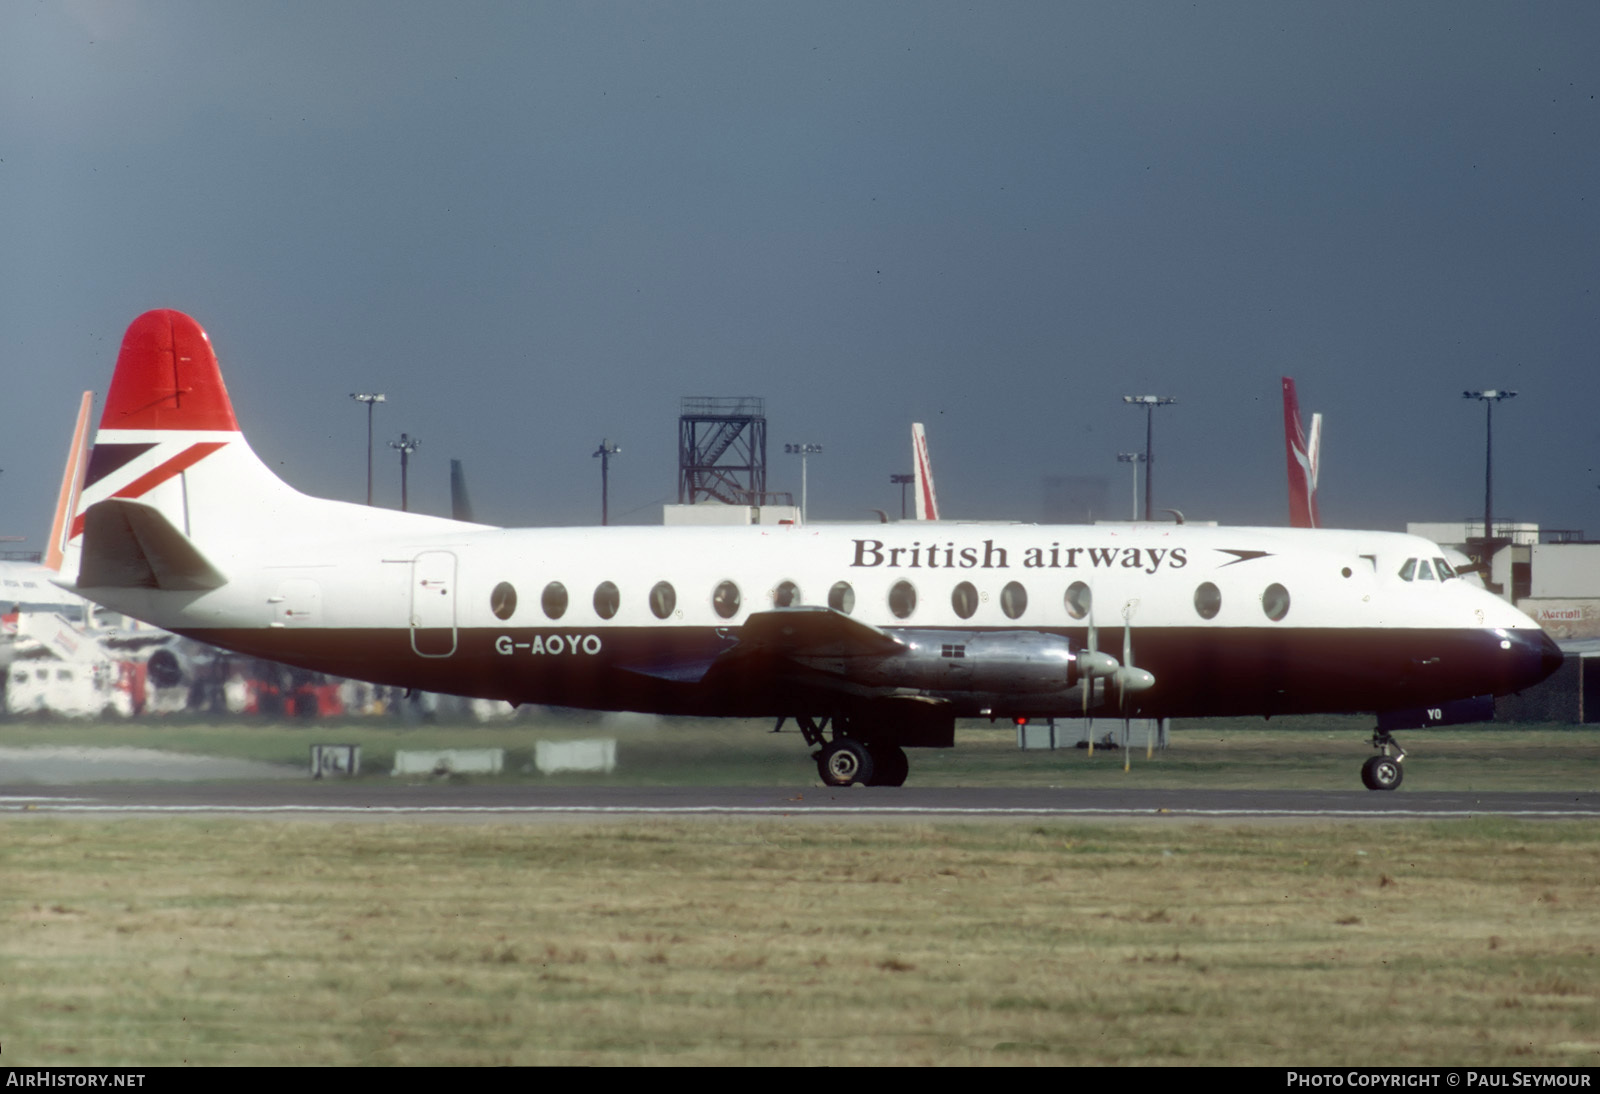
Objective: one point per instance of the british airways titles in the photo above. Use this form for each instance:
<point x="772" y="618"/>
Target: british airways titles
<point x="947" y="556"/>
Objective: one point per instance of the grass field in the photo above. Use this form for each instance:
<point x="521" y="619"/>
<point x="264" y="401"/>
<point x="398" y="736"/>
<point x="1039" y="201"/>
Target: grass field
<point x="207" y="941"/>
<point x="1286" y="753"/>
<point x="225" y="941"/>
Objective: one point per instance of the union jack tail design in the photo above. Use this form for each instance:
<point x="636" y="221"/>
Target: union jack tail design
<point x="1303" y="456"/>
<point x="172" y="489"/>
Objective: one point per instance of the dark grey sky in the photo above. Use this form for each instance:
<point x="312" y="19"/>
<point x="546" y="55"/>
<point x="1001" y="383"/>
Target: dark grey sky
<point x="535" y="225"/>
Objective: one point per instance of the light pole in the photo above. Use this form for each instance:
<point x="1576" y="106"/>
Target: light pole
<point x="604" y="454"/>
<point x="902" y="481"/>
<point x="802" y="450"/>
<point x="1135" y="458"/>
<point x="405" y="446"/>
<point x="1149" y="402"/>
<point x="1488" y="398"/>
<point x="370" y="398"/>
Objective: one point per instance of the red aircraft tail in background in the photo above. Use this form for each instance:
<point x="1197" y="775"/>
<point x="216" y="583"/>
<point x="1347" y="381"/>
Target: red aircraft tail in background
<point x="1303" y="458"/>
<point x="922" y="469"/>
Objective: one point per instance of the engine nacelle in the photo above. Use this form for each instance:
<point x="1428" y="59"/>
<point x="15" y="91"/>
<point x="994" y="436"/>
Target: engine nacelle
<point x="1008" y="662"/>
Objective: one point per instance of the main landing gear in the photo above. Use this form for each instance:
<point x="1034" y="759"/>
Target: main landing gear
<point x="1383" y="771"/>
<point x="846" y="759"/>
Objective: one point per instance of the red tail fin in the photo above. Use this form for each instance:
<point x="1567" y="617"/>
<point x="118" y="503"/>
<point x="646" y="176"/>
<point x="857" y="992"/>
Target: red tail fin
<point x="922" y="470"/>
<point x="167" y="378"/>
<point x="1303" y="458"/>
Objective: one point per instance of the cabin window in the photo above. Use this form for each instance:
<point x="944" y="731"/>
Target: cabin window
<point x="1275" y="602"/>
<point x="554" y="599"/>
<point x="662" y="599"/>
<point x="725" y="600"/>
<point x="1409" y="570"/>
<point x="503" y="600"/>
<point x="786" y="595"/>
<point x="842" y="598"/>
<point x="1079" y="600"/>
<point x="902" y="599"/>
<point x="1013" y="599"/>
<point x="606" y="600"/>
<point x="1208" y="600"/>
<point x="964" y="599"/>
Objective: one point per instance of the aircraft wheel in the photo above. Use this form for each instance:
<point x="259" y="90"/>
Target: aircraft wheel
<point x="844" y="761"/>
<point x="889" y="766"/>
<point x="1382" y="773"/>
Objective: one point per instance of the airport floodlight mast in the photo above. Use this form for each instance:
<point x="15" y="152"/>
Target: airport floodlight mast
<point x="405" y="446"/>
<point x="604" y="454"/>
<point x="1149" y="402"/>
<point x="1135" y="458"/>
<point x="803" y="450"/>
<point x="370" y="398"/>
<point x="902" y="481"/>
<point x="1488" y="397"/>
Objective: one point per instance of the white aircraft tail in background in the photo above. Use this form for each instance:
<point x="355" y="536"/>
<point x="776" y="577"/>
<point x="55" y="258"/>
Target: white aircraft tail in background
<point x="927" y="501"/>
<point x="1304" y="455"/>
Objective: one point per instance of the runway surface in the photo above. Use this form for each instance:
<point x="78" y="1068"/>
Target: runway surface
<point x="516" y="802"/>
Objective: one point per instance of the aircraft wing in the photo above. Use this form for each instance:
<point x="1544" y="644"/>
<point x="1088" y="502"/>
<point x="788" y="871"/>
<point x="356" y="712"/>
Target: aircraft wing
<point x="771" y="641"/>
<point x="813" y="631"/>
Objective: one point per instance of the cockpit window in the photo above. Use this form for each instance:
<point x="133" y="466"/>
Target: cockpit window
<point x="1409" y="570"/>
<point x="1424" y="571"/>
<point x="1446" y="571"/>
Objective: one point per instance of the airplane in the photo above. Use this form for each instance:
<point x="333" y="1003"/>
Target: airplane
<point x="873" y="638"/>
<point x="27" y="586"/>
<point x="922" y="474"/>
<point x="1304" y="453"/>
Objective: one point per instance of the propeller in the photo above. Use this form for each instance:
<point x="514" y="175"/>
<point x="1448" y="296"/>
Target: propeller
<point x="1087" y="671"/>
<point x="1129" y="679"/>
<point x="1127" y="663"/>
<point x="1093" y="665"/>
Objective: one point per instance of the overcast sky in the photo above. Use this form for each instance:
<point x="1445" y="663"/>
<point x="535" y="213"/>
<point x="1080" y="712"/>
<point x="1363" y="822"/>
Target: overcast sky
<point x="534" y="225"/>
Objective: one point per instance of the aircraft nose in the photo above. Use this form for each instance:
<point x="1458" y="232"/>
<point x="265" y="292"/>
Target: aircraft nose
<point x="1539" y="656"/>
<point x="1550" y="656"/>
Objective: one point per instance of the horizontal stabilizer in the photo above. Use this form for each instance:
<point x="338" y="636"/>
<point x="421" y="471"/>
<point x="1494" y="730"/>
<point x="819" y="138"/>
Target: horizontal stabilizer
<point x="815" y="631"/>
<point x="130" y="545"/>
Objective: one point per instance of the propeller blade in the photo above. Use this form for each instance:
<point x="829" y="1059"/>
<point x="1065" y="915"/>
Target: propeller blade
<point x="1088" y="680"/>
<point x="1126" y="675"/>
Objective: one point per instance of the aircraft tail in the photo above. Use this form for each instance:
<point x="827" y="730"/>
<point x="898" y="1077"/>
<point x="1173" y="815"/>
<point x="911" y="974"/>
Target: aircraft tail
<point x="61" y="536"/>
<point x="172" y="484"/>
<point x="1304" y="454"/>
<point x="922" y="472"/>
